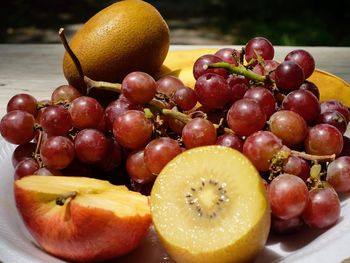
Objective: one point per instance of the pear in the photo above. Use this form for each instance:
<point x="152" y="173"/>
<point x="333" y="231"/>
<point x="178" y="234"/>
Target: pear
<point x="126" y="36"/>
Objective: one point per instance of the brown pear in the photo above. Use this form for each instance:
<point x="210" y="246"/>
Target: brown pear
<point x="126" y="36"/>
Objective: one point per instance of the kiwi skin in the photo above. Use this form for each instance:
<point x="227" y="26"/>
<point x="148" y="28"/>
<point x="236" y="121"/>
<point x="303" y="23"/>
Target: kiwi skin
<point x="126" y="36"/>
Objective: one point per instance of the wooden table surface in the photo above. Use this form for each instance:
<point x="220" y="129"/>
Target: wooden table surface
<point x="37" y="68"/>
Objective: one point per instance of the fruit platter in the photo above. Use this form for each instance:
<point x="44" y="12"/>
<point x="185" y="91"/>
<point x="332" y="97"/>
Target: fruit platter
<point x="150" y="153"/>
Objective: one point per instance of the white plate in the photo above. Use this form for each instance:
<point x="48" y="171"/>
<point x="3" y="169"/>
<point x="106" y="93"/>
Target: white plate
<point x="16" y="245"/>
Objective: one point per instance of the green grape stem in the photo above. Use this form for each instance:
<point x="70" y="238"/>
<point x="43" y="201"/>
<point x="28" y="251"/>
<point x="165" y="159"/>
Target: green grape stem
<point x="310" y="157"/>
<point x="102" y="85"/>
<point x="116" y="87"/>
<point x="36" y="153"/>
<point x="176" y="115"/>
<point x="185" y="118"/>
<point x="240" y="70"/>
<point x="148" y="113"/>
<point x="315" y="181"/>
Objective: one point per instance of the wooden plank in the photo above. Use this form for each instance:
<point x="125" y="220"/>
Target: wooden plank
<point x="37" y="68"/>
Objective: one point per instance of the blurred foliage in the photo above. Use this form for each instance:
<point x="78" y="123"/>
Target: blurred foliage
<point x="45" y="14"/>
<point x="297" y="22"/>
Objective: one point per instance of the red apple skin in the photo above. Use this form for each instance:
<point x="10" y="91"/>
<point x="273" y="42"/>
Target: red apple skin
<point x="84" y="234"/>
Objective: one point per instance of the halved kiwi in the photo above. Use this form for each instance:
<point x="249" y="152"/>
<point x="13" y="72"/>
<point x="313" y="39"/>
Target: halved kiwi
<point x="209" y="205"/>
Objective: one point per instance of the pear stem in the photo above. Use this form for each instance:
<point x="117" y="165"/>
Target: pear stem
<point x="240" y="70"/>
<point x="71" y="53"/>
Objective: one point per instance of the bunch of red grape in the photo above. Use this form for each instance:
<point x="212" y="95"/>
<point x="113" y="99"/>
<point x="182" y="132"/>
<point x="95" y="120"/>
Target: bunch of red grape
<point x="242" y="99"/>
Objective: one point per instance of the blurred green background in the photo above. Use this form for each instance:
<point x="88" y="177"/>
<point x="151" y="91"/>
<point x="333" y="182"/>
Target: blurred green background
<point x="297" y="22"/>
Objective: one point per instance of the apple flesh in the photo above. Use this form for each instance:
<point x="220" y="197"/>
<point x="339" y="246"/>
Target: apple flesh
<point x="82" y="219"/>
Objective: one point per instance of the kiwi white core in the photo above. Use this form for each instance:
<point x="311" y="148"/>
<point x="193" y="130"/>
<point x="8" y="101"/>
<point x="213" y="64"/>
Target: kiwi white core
<point x="208" y="198"/>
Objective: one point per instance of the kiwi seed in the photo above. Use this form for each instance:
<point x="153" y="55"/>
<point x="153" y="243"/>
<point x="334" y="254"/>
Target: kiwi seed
<point x="193" y="198"/>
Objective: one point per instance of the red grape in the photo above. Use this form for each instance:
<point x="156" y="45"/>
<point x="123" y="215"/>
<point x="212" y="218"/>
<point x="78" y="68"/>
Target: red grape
<point x="310" y="86"/>
<point x="289" y="226"/>
<point x="238" y="85"/>
<point x="139" y="87"/>
<point x="264" y="98"/>
<point x="230" y="140"/>
<point x="324" y="139"/>
<point x="25" y="167"/>
<point x="346" y="146"/>
<point x="260" y="148"/>
<point x="64" y="94"/>
<point x="246" y="117"/>
<point x="102" y="126"/>
<point x="289" y="76"/>
<point x="56" y="120"/>
<point x="304" y="103"/>
<point x="132" y="129"/>
<point x="198" y="132"/>
<point x="268" y="67"/>
<point x="168" y="85"/>
<point x="90" y="145"/>
<point x="17" y="127"/>
<point x="297" y="166"/>
<point x="159" y="152"/>
<point x="57" y="152"/>
<point x="44" y="171"/>
<point x="334" y="118"/>
<point x="113" y="157"/>
<point x="116" y="107"/>
<point x="338" y="174"/>
<point x="260" y="46"/>
<point x="288" y="196"/>
<point x="77" y="168"/>
<point x="259" y="69"/>
<point x="23" y="102"/>
<point x="226" y="54"/>
<point x="176" y="125"/>
<point x="39" y="113"/>
<point x="144" y="189"/>
<point x="304" y="59"/>
<point x="335" y="105"/>
<point x="185" y="98"/>
<point x="137" y="168"/>
<point x="215" y="116"/>
<point x="288" y="126"/>
<point x="212" y="91"/>
<point x="86" y="112"/>
<point x="322" y="209"/>
<point x="200" y="67"/>
<point x="23" y="151"/>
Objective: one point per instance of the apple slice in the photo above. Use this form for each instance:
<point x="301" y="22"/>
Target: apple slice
<point x="82" y="219"/>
